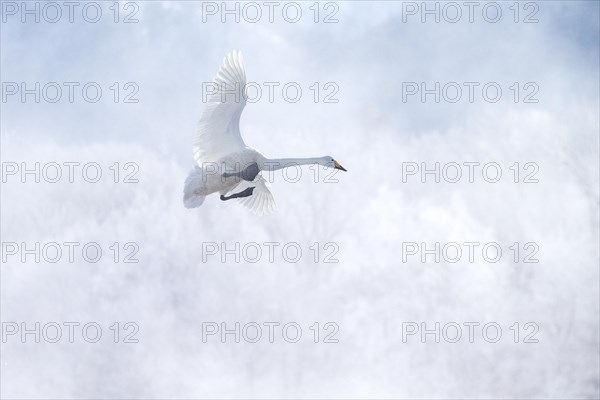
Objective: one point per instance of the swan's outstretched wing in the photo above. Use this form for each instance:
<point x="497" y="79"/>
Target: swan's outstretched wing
<point x="261" y="202"/>
<point x="219" y="127"/>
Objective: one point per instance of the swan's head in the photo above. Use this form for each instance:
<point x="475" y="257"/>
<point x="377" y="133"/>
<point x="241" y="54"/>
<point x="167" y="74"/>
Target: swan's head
<point x="331" y="163"/>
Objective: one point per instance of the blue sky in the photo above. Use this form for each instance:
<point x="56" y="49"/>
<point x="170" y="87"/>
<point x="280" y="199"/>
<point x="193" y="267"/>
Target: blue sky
<point x="369" y="54"/>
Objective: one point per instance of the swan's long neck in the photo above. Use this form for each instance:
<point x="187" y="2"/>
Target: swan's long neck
<point x="272" y="164"/>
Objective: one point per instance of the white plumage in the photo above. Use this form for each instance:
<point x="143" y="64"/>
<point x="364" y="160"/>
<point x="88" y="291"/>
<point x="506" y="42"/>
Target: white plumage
<point x="225" y="164"/>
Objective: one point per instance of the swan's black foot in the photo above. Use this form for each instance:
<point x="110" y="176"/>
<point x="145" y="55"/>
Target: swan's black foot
<point x="244" y="193"/>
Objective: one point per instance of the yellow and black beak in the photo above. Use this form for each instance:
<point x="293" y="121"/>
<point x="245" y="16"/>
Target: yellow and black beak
<point x="338" y="166"/>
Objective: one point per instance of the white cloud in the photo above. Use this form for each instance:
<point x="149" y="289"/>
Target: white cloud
<point x="369" y="213"/>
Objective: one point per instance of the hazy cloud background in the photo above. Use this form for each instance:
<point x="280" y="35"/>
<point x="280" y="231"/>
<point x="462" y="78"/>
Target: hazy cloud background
<point x="369" y="213"/>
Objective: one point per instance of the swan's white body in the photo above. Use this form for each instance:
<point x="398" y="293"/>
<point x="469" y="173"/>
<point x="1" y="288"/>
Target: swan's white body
<point x="220" y="151"/>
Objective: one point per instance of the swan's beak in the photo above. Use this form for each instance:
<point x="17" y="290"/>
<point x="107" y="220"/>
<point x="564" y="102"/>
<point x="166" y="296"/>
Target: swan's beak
<point x="338" y="166"/>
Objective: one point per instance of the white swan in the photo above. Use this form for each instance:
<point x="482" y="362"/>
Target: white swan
<point x="225" y="164"/>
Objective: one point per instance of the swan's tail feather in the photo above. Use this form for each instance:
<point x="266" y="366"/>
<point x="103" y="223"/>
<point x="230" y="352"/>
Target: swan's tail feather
<point x="191" y="199"/>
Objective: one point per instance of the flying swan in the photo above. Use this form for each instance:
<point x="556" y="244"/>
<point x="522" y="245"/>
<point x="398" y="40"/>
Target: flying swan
<point x="224" y="163"/>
